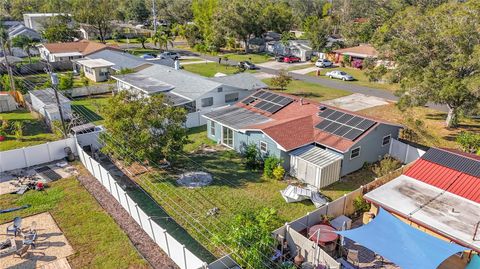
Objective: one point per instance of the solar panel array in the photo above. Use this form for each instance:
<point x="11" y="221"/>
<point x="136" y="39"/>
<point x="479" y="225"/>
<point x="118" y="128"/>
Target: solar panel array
<point x="343" y="124"/>
<point x="268" y="101"/>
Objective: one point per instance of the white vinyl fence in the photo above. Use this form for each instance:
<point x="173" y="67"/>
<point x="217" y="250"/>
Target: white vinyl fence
<point x="404" y="152"/>
<point x="34" y="155"/>
<point x="176" y="251"/>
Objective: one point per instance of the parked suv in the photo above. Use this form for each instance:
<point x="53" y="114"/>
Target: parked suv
<point x="291" y="59"/>
<point x="247" y="65"/>
<point x="323" y="63"/>
<point x="170" y="55"/>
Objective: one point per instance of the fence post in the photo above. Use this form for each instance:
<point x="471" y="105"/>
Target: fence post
<point x="308" y="220"/>
<point x="118" y="193"/>
<point x="49" y="153"/>
<point x="91" y="165"/>
<point x="344" y="202"/>
<point x="100" y="169"/>
<point x="109" y="182"/>
<point x="128" y="206"/>
<point x="184" y="256"/>
<point x="138" y="214"/>
<point x="406" y="154"/>
<point x="326" y="210"/>
<point x="153" y="232"/>
<point x="166" y="242"/>
<point x="25" y="157"/>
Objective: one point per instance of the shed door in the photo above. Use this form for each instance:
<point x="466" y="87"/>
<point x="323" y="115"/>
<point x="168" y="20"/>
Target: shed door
<point x="306" y="172"/>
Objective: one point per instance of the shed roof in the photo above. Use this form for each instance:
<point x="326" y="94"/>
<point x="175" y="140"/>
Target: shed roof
<point x="317" y="156"/>
<point x="47" y="96"/>
<point x="93" y="63"/>
<point x="446" y="213"/>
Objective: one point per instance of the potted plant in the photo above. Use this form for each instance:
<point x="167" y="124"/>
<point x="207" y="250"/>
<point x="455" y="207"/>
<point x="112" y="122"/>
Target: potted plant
<point x="3" y="135"/>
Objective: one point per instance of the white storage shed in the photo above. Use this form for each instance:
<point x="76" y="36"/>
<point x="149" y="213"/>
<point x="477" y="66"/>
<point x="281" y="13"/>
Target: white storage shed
<point x="45" y="103"/>
<point x="315" y="166"/>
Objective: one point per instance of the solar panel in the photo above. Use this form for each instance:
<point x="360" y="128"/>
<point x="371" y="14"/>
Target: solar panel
<point x="345" y="118"/>
<point x="248" y="100"/>
<point x="322" y="125"/>
<point x="274" y="108"/>
<point x="353" y="134"/>
<point x="285" y="101"/>
<point x="257" y="94"/>
<point x="270" y="97"/>
<point x="365" y="124"/>
<point x="277" y="99"/>
<point x="327" y="112"/>
<point x="335" y="115"/>
<point x="266" y="95"/>
<point x="342" y="130"/>
<point x="260" y="104"/>
<point x="267" y="106"/>
<point x="354" y="121"/>
<point x="332" y="127"/>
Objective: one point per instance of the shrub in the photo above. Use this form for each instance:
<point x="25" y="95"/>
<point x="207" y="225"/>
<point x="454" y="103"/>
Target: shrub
<point x="251" y="156"/>
<point x="278" y="173"/>
<point x="269" y="166"/>
<point x="470" y="142"/>
<point x="361" y="205"/>
<point x="18" y="130"/>
<point x="376" y="74"/>
<point x="281" y="80"/>
<point x="346" y="60"/>
<point x="385" y="166"/>
<point x="66" y="82"/>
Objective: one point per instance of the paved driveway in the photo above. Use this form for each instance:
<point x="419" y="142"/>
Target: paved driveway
<point x="279" y="65"/>
<point x="356" y="102"/>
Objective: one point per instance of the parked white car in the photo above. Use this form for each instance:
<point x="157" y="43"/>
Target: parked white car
<point x="339" y="75"/>
<point x="323" y="63"/>
<point x="169" y="55"/>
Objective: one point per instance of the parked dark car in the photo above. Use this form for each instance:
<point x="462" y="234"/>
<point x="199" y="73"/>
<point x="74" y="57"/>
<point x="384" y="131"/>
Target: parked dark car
<point x="279" y="58"/>
<point x="291" y="59"/>
<point x="247" y="65"/>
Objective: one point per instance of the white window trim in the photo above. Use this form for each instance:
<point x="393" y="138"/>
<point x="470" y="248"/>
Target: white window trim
<point x="201" y="101"/>
<point x="389" y="140"/>
<point x="214" y="128"/>
<point x="260" y="146"/>
<point x="233" y="138"/>
<point x="359" y="152"/>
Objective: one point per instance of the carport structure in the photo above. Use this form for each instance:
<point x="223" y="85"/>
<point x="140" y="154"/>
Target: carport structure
<point x="315" y="166"/>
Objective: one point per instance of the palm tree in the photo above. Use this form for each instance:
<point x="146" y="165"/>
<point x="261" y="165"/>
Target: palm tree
<point x="4" y="36"/>
<point x="142" y="39"/>
<point x="26" y="43"/>
<point x="162" y="38"/>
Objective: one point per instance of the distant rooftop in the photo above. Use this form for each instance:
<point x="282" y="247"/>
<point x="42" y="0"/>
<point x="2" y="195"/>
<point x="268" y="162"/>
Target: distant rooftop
<point x="95" y="63"/>
<point x="121" y="60"/>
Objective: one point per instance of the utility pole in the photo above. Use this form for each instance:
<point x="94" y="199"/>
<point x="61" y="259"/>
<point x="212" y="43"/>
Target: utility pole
<point x="54" y="79"/>
<point x="154" y="11"/>
<point x="7" y="64"/>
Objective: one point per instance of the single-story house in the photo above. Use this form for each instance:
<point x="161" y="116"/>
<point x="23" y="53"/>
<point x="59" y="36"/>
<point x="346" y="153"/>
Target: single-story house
<point x="356" y="54"/>
<point x="299" y="48"/>
<point x="45" y="103"/>
<point x="7" y="102"/>
<point x="67" y="51"/>
<point x="196" y="93"/>
<point x="438" y="194"/>
<point x="121" y="60"/>
<point x="36" y="21"/>
<point x="317" y="143"/>
<point x="96" y="70"/>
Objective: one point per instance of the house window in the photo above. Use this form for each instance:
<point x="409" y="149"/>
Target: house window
<point x="220" y="89"/>
<point x="227" y="137"/>
<point x="355" y="153"/>
<point x="263" y="147"/>
<point x="231" y="97"/>
<point x="386" y="140"/>
<point x="212" y="128"/>
<point x="207" y="102"/>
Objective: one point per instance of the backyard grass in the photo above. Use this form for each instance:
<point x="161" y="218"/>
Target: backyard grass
<point x="35" y="131"/>
<point x="252" y="57"/>
<point x="428" y="124"/>
<point x="198" y="138"/>
<point x="210" y="69"/>
<point x="311" y="90"/>
<point x="360" y="78"/>
<point x="95" y="237"/>
<point x="89" y="107"/>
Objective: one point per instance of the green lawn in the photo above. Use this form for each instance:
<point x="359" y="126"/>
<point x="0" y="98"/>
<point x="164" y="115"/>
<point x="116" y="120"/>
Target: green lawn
<point x="141" y="51"/>
<point x="210" y="69"/>
<point x="360" y="78"/>
<point x="252" y="57"/>
<point x="35" y="131"/>
<point x="311" y="90"/>
<point x="89" y="107"/>
<point x="95" y="237"/>
<point x="198" y="138"/>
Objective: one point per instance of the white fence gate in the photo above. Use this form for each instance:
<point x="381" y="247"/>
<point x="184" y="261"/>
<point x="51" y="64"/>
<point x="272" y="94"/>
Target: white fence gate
<point x="404" y="152"/>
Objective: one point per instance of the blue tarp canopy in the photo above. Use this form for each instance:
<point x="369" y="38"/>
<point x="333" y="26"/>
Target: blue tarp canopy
<point x="402" y="244"/>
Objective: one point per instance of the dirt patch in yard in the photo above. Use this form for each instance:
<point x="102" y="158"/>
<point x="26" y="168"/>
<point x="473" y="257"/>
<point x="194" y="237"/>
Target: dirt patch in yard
<point x="144" y="244"/>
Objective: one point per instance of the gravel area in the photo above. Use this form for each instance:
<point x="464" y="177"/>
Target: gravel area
<point x="144" y="244"/>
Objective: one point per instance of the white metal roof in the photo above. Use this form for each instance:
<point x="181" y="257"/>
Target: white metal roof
<point x="446" y="213"/>
<point x="93" y="63"/>
<point x="66" y="54"/>
<point x="317" y="156"/>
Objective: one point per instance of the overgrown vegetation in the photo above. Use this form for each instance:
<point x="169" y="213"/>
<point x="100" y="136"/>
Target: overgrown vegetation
<point x="271" y="164"/>
<point x="281" y="80"/>
<point x="470" y="142"/>
<point x="385" y="166"/>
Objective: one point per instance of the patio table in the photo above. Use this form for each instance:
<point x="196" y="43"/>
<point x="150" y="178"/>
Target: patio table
<point x="322" y="233"/>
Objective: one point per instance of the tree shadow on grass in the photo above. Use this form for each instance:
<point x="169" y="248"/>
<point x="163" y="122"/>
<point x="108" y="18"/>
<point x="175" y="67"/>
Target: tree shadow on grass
<point x="436" y="116"/>
<point x="307" y="94"/>
<point x="90" y="115"/>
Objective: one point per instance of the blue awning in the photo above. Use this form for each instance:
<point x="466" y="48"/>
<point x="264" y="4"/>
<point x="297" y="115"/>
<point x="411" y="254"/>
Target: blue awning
<point x="402" y="244"/>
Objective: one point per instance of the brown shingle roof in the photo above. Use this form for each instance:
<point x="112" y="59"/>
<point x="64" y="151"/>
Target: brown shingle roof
<point x="365" y="49"/>
<point x="85" y="47"/>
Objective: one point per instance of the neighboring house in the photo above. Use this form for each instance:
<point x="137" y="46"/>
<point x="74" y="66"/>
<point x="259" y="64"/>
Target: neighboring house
<point x="123" y="60"/>
<point x="318" y="144"/>
<point x="22" y="30"/>
<point x="36" y="21"/>
<point x="7" y="102"/>
<point x="356" y="54"/>
<point x="67" y="51"/>
<point x="195" y="93"/>
<point x="299" y="48"/>
<point x="97" y="70"/>
<point x="45" y="103"/>
<point x="439" y="194"/>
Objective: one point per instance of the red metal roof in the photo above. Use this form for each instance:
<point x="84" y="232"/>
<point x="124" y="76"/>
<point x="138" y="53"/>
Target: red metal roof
<point x="445" y="178"/>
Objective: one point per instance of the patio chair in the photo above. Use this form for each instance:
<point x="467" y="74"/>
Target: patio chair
<point x="30" y="238"/>
<point x="21" y="252"/>
<point x="352" y="256"/>
<point x="16" y="227"/>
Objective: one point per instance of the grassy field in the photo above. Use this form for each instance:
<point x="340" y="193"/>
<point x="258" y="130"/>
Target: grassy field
<point x="252" y="57"/>
<point x="210" y="69"/>
<point x="35" y="131"/>
<point x="427" y="124"/>
<point x="311" y="90"/>
<point x="89" y="107"/>
<point x="360" y="78"/>
<point x="82" y="220"/>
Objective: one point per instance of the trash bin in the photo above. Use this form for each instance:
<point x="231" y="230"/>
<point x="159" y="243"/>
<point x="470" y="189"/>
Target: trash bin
<point x="70" y="157"/>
